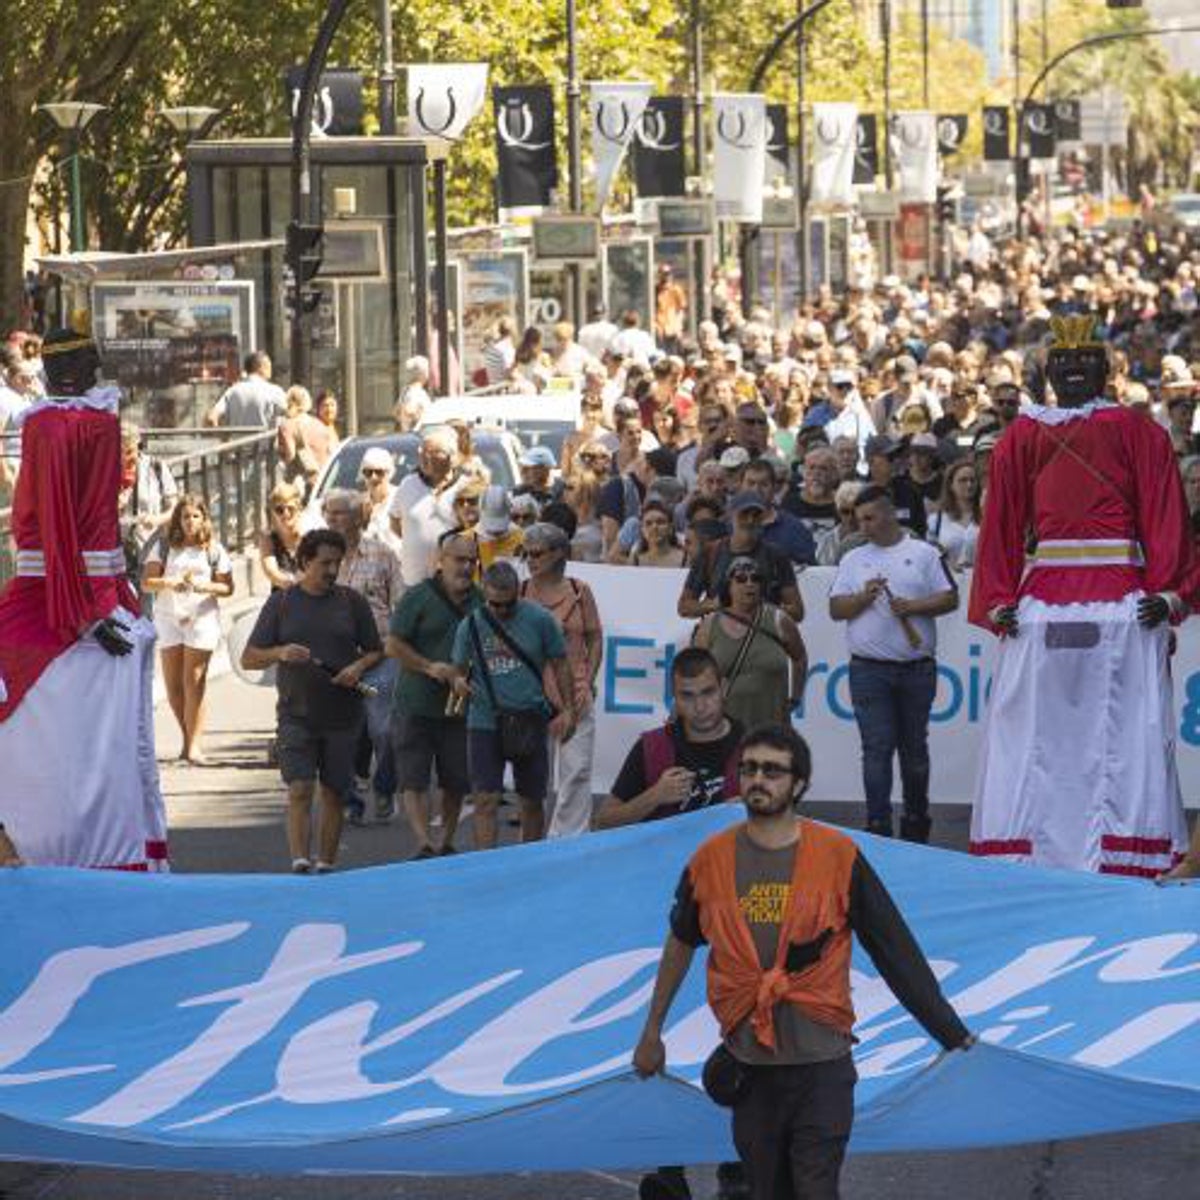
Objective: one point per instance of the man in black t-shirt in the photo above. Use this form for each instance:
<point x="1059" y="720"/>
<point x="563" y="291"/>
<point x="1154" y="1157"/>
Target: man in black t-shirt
<point x="689" y="763"/>
<point x="322" y="638"/>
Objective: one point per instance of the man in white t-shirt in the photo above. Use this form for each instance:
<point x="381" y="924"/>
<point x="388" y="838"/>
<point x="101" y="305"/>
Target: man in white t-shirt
<point x="851" y="419"/>
<point x="422" y="506"/>
<point x="889" y="593"/>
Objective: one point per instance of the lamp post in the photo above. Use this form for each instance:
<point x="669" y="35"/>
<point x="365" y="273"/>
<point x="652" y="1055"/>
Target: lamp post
<point x="696" y="37"/>
<point x="73" y="117"/>
<point x="193" y="121"/>
<point x="574" y="154"/>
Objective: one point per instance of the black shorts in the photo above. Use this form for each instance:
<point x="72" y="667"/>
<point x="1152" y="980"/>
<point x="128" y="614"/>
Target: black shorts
<point x="419" y="742"/>
<point x="307" y="753"/>
<point x="486" y="761"/>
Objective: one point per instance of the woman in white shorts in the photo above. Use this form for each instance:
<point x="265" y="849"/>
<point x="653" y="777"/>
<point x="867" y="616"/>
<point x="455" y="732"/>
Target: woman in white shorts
<point x="189" y="571"/>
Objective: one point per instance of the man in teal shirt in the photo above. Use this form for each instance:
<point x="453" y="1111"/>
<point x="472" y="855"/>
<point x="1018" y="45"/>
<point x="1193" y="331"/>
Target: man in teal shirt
<point x="507" y="646"/>
<point x="426" y="726"/>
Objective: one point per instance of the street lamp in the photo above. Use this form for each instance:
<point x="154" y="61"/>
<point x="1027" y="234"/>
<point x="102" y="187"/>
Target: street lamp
<point x="73" y="117"/>
<point x="191" y="120"/>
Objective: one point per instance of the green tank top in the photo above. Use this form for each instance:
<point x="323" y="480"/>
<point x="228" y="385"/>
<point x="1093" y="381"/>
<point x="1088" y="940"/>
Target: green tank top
<point x="759" y="693"/>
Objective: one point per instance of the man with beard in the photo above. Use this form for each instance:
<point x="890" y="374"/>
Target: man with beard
<point x="776" y="900"/>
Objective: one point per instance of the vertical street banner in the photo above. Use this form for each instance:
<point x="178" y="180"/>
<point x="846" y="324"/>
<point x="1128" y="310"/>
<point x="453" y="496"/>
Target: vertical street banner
<point x="338" y="104"/>
<point x="995" y="133"/>
<point x="444" y="98"/>
<point x="951" y="132"/>
<point x="527" y="168"/>
<point x="739" y="155"/>
<point x="866" y="149"/>
<point x="914" y="150"/>
<point x="616" y="112"/>
<point x="658" y="166"/>
<point x="778" y="145"/>
<point x="1039" y="130"/>
<point x="835" y="140"/>
<point x="1068" y="121"/>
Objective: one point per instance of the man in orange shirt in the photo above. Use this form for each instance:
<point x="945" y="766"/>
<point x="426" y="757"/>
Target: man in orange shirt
<point x="776" y="899"/>
<point x="670" y="311"/>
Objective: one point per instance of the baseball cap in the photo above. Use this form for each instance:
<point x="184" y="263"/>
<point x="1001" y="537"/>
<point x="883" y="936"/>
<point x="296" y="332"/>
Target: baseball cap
<point x="734" y="457"/>
<point x="747" y="500"/>
<point x="905" y="366"/>
<point x="377" y="459"/>
<point x="537" y="456"/>
<point x="493" y="511"/>
<point x="923" y="441"/>
<point x="880" y="443"/>
<point x="842" y="377"/>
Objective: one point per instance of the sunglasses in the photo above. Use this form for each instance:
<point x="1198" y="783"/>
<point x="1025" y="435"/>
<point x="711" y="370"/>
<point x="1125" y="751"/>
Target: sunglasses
<point x="283" y="510"/>
<point x="373" y="472"/>
<point x="746" y="577"/>
<point x="467" y="502"/>
<point x="532" y="554"/>
<point x="524" y="518"/>
<point x="753" y="420"/>
<point x="595" y="460"/>
<point x="772" y="772"/>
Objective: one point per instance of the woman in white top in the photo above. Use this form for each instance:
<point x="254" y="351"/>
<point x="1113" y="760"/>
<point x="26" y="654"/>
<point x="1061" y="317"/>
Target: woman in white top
<point x="189" y="571"/>
<point x="955" y="527"/>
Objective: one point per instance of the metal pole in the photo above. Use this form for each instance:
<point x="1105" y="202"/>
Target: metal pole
<point x="925" y="53"/>
<point x="885" y="27"/>
<point x="1045" y="33"/>
<point x="574" y="155"/>
<point x="387" y="72"/>
<point x="441" y="276"/>
<point x="304" y="211"/>
<point x="78" y="233"/>
<point x="804" y="258"/>
<point x="697" y="57"/>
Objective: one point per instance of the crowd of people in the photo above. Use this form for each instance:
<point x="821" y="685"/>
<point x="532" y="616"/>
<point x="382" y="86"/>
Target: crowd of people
<point x="742" y="456"/>
<point x="431" y="643"/>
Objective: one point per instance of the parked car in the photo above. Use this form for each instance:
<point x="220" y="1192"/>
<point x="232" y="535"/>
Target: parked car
<point x="545" y="419"/>
<point x="1184" y="211"/>
<point x="498" y="449"/>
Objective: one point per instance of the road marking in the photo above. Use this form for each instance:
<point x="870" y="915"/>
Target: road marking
<point x="613" y="1179"/>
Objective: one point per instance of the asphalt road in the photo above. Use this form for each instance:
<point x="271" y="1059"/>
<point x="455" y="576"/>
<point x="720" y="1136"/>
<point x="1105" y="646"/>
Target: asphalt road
<point x="228" y="818"/>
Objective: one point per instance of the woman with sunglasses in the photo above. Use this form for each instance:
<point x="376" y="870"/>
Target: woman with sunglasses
<point x="277" y="546"/>
<point x="758" y="648"/>
<point x="591" y="429"/>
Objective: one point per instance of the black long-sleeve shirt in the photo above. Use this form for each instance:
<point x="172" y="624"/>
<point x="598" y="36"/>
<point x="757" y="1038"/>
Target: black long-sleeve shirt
<point x="887" y="939"/>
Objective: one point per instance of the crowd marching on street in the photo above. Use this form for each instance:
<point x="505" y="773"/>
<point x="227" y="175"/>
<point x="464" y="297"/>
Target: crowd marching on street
<point x="433" y="652"/>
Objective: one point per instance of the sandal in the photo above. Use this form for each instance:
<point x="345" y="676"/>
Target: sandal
<point x="300" y="866"/>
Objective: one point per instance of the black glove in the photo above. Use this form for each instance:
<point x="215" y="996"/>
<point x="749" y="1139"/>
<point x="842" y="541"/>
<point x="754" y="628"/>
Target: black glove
<point x="1005" y="619"/>
<point x="1153" y="611"/>
<point x="110" y="633"/>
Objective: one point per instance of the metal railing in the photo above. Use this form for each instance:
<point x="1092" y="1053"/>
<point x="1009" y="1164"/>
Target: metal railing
<point x="235" y="478"/>
<point x="234" y="471"/>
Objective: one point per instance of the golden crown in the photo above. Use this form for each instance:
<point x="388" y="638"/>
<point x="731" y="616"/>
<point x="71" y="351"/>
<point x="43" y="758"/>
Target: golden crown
<point x="1070" y="333"/>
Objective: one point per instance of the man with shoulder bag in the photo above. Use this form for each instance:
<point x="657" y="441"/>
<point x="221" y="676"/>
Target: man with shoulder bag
<point x="507" y="645"/>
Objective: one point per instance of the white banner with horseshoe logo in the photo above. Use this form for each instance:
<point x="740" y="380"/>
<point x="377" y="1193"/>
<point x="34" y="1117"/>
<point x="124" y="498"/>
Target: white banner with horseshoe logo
<point x="739" y="156"/>
<point x="444" y="98"/>
<point x="616" y="112"/>
<point x="835" y="139"/>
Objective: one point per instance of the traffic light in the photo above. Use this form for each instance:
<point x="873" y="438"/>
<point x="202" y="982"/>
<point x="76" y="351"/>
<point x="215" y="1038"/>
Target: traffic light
<point x="945" y="203"/>
<point x="304" y="250"/>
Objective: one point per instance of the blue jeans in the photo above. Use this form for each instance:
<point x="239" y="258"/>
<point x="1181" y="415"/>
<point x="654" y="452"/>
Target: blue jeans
<point x="891" y="705"/>
<point x="379" y="728"/>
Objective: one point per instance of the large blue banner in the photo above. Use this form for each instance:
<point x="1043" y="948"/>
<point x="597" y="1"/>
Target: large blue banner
<point x="477" y="1014"/>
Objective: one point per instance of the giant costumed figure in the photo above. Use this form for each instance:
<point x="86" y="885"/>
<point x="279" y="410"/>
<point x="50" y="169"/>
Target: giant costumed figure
<point x="78" y="780"/>
<point x="1078" y="762"/>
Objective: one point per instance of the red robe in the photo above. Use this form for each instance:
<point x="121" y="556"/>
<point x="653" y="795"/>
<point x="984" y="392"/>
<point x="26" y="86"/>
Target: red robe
<point x="65" y="503"/>
<point x="1107" y="476"/>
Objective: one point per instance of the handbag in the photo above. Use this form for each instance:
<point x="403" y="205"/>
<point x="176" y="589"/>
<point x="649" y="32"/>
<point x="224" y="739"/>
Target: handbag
<point x="522" y="730"/>
<point x="726" y="1080"/>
